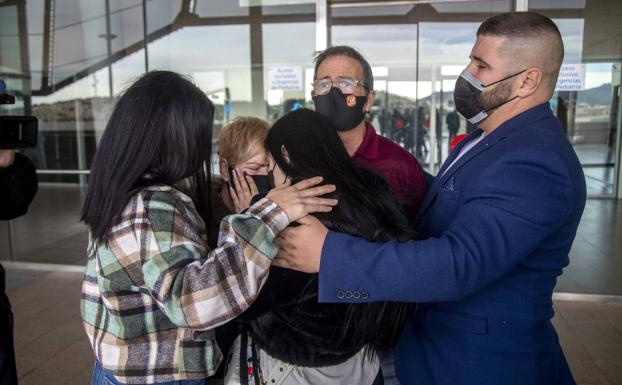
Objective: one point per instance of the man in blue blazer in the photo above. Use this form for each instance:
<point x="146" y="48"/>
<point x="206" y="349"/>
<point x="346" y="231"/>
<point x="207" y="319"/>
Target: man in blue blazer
<point x="496" y="228"/>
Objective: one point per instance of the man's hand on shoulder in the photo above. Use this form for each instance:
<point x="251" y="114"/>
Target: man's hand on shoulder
<point x="300" y="248"/>
<point x="7" y="157"/>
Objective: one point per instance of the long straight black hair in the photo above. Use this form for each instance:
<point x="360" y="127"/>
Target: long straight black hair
<point x="305" y="144"/>
<point x="159" y="133"/>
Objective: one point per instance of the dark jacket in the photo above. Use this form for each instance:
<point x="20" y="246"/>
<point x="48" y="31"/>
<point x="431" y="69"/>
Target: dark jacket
<point x="498" y="226"/>
<point x="18" y="185"/>
<point x="289" y="323"/>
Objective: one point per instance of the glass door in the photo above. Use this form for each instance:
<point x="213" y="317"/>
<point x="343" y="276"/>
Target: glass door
<point x="416" y="51"/>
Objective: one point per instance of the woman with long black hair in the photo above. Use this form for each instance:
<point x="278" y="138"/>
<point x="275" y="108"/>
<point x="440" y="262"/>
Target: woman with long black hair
<point x="153" y="292"/>
<point x="288" y="337"/>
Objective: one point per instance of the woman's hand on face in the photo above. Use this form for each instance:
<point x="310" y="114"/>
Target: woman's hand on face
<point x="243" y="190"/>
<point x="302" y="198"/>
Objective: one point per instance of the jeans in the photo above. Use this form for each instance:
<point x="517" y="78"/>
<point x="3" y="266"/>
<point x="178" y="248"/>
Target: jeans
<point x="102" y="377"/>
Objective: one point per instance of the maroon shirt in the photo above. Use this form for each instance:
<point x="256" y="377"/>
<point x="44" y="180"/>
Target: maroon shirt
<point x="398" y="166"/>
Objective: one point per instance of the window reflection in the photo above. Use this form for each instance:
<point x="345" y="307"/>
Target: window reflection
<point x="217" y="58"/>
<point x="219" y="8"/>
<point x="288" y="66"/>
<point x="422" y="48"/>
<point x="91" y="62"/>
<point x="10" y="61"/>
<point x="586" y="99"/>
<point x="162" y="14"/>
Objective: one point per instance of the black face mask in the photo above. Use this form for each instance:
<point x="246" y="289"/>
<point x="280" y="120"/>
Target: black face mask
<point x="261" y="181"/>
<point x="344" y="111"/>
<point x="467" y="94"/>
<point x="270" y="176"/>
<point x="272" y="183"/>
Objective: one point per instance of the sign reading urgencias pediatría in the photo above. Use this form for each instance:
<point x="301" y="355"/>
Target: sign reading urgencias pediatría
<point x="571" y="78"/>
<point x="285" y="78"/>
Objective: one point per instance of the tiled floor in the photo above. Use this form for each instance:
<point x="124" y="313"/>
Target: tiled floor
<point x="52" y="348"/>
<point x="51" y="231"/>
<point x="596" y="255"/>
<point x="591" y="336"/>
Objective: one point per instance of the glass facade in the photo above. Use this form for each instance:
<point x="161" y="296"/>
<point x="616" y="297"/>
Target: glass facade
<point x="587" y="98"/>
<point x="417" y="52"/>
<point x="68" y="60"/>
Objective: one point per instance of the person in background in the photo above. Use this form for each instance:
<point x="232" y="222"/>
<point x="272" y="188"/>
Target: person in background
<point x="562" y="110"/>
<point x="497" y="226"/>
<point x="398" y="122"/>
<point x="343" y="91"/>
<point x="453" y="124"/>
<point x="18" y="186"/>
<point x="243" y="171"/>
<point x="243" y="167"/>
<point x="153" y="291"/>
<point x="242" y="163"/>
<point x="470" y="127"/>
<point x="439" y="136"/>
<point x="421" y="148"/>
<point x="409" y="134"/>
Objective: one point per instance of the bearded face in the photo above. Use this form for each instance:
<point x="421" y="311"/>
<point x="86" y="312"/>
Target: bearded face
<point x="499" y="94"/>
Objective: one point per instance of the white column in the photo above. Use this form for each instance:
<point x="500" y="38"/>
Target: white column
<point x="321" y="25"/>
<point x="77" y="106"/>
<point x="617" y="79"/>
<point x="432" y="126"/>
<point x="522" y="5"/>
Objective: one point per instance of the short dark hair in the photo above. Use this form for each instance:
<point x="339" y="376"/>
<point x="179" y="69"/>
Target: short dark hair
<point x="522" y="25"/>
<point x="350" y="52"/>
<point x="518" y="24"/>
<point x="524" y="28"/>
<point x="160" y="132"/>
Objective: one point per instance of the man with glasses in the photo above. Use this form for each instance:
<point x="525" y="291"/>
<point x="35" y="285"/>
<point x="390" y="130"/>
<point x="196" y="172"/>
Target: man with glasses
<point x="343" y="92"/>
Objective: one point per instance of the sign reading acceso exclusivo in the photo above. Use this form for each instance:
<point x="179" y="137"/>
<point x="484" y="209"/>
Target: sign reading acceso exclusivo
<point x="285" y="78"/>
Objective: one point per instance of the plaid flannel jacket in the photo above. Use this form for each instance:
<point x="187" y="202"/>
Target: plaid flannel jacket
<point x="152" y="293"/>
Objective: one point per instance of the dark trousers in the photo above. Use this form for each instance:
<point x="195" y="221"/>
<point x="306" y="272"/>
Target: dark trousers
<point x="8" y="372"/>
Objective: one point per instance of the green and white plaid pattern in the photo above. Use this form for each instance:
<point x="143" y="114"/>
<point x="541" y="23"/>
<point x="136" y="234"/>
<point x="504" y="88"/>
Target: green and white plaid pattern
<point x="152" y="293"/>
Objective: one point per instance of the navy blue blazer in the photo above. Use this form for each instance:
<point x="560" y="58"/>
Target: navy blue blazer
<point x="497" y="230"/>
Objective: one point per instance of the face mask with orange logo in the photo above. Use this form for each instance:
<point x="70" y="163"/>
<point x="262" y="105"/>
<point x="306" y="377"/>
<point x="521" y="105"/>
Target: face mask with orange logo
<point x="344" y="111"/>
